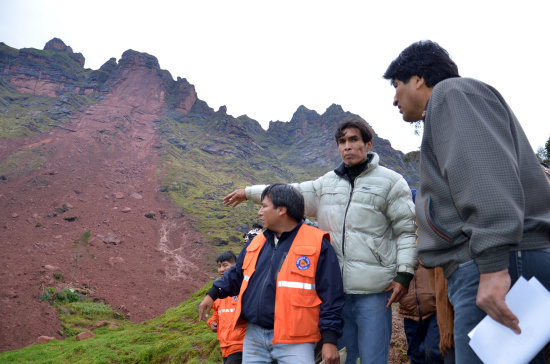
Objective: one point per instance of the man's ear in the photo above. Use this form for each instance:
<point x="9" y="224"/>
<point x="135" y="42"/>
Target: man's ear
<point x="281" y="210"/>
<point x="369" y="146"/>
<point x="419" y="82"/>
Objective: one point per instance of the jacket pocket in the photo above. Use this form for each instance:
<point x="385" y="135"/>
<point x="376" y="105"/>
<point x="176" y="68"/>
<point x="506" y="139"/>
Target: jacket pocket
<point x="430" y="219"/>
<point x="381" y="251"/>
<point x="305" y="316"/>
<point x="385" y="251"/>
<point x="303" y="263"/>
<point x="249" y="257"/>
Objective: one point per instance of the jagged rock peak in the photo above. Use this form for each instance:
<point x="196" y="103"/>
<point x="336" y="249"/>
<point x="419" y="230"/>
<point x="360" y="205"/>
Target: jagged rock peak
<point x="110" y="64"/>
<point x="56" y="44"/>
<point x="334" y="108"/>
<point x="304" y="114"/>
<point x="133" y="58"/>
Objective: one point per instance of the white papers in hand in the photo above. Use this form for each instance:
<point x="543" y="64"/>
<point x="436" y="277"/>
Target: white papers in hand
<point x="495" y="343"/>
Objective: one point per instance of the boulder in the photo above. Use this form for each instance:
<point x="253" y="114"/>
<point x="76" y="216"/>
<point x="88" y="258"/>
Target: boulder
<point x="84" y="335"/>
<point x="44" y="339"/>
<point x="109" y="324"/>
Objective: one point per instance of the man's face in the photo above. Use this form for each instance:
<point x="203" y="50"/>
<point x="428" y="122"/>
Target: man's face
<point x="409" y="99"/>
<point x="224" y="266"/>
<point x="352" y="148"/>
<point x="268" y="213"/>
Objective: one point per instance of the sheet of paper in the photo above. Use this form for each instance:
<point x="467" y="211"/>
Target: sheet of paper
<point x="495" y="343"/>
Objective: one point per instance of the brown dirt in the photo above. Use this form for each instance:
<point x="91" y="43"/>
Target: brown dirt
<point x="106" y="173"/>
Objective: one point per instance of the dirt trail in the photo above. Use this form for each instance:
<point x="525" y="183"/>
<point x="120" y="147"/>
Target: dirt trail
<point x="104" y="174"/>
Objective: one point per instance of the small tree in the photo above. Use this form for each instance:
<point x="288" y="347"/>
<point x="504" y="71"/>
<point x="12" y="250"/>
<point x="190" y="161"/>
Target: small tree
<point x="543" y="154"/>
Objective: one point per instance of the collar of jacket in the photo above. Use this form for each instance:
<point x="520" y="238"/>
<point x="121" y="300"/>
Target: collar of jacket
<point x="342" y="170"/>
<point x="269" y="235"/>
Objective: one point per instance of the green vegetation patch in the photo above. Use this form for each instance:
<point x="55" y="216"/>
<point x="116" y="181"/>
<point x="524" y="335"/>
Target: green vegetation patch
<point x="77" y="312"/>
<point x="174" y="337"/>
<point x="198" y="170"/>
<point x="22" y="162"/>
<point x="24" y="114"/>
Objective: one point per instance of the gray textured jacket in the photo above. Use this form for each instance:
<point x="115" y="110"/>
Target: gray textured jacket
<point x="371" y="226"/>
<point x="482" y="190"/>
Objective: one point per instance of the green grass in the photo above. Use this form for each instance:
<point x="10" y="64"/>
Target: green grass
<point x="22" y="162"/>
<point x="22" y="114"/>
<point x="174" y="337"/>
<point x="196" y="181"/>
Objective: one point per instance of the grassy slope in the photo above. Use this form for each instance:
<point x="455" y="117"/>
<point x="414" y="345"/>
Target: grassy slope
<point x="197" y="180"/>
<point x="174" y="337"/>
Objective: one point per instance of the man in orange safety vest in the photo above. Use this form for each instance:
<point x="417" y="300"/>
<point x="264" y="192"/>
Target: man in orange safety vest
<point x="289" y="285"/>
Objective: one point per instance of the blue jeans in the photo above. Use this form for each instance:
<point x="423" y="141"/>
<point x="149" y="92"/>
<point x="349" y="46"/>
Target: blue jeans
<point x="462" y="288"/>
<point x="367" y="328"/>
<point x="423" y="341"/>
<point x="258" y="348"/>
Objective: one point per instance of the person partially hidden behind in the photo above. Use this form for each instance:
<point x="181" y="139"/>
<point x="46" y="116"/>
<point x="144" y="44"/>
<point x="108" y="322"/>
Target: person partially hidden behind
<point x="289" y="286"/>
<point x="418" y="308"/>
<point x="483" y="207"/>
<point x="221" y="321"/>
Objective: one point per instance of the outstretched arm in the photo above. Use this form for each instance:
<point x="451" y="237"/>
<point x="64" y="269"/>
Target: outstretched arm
<point x="235" y="198"/>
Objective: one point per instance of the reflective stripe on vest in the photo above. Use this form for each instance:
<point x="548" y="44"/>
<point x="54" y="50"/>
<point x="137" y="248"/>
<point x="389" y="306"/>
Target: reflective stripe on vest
<point x="226" y="310"/>
<point x="300" y="285"/>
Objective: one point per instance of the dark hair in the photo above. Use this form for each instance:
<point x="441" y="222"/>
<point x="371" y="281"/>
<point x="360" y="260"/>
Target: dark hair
<point x="354" y="122"/>
<point x="284" y="195"/>
<point x="424" y="59"/>
<point x="227" y="256"/>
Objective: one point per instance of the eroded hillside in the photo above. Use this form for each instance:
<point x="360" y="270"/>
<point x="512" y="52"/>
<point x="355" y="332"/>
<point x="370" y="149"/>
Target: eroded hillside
<point x="136" y="160"/>
<point x="97" y="173"/>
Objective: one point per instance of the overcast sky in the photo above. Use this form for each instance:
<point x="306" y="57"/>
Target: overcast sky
<point x="266" y="58"/>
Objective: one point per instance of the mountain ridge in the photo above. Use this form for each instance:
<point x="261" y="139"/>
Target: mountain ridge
<point x="139" y="160"/>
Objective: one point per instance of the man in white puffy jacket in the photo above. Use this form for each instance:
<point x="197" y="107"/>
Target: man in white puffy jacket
<point x="369" y="213"/>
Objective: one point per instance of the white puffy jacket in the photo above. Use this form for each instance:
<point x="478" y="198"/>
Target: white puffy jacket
<point x="372" y="226"/>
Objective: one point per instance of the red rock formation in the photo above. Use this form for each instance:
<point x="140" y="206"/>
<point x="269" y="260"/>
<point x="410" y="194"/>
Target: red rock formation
<point x="186" y="96"/>
<point x="108" y="148"/>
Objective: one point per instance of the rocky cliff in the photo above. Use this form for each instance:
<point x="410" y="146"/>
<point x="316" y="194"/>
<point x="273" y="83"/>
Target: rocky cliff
<point x="137" y="160"/>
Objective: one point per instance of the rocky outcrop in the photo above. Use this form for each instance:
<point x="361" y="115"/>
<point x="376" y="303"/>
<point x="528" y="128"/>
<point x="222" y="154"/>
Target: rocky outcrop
<point x="307" y="140"/>
<point x="57" y="44"/>
<point x="57" y="70"/>
<point x="184" y="96"/>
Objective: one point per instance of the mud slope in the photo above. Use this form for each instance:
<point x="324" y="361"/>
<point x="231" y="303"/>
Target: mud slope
<point x="99" y="173"/>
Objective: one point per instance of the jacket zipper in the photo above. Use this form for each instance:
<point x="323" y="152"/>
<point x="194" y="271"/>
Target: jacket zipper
<point x="344" y="224"/>
<point x="267" y="277"/>
<point x="281" y="263"/>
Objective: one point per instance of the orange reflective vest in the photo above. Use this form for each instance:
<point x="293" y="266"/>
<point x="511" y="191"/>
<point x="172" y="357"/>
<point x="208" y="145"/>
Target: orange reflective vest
<point x="297" y="304"/>
<point x="231" y="340"/>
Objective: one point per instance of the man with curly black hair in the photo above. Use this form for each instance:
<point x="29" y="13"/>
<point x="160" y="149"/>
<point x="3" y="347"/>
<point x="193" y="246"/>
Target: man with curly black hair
<point x="483" y="207"/>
